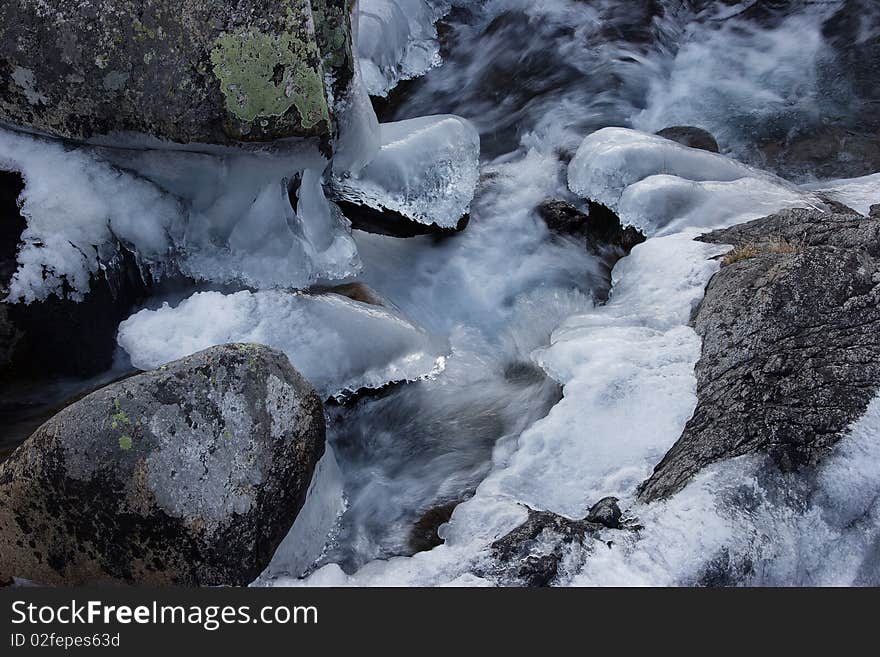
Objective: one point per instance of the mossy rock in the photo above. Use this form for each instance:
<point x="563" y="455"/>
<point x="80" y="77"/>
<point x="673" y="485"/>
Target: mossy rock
<point x="185" y="71"/>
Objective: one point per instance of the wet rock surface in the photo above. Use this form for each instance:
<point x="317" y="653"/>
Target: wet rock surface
<point x="191" y="474"/>
<point x="185" y="71"/>
<point x="599" y="228"/>
<point x="546" y="545"/>
<point x="790" y="354"/>
<point x="691" y="137"/>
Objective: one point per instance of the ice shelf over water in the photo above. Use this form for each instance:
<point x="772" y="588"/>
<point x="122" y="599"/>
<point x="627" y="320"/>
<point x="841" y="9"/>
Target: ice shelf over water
<point x="338" y="344"/>
<point x="78" y="209"/>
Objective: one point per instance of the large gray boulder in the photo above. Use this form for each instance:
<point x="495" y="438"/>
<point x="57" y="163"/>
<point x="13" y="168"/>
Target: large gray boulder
<point x="180" y="70"/>
<point x="191" y="474"/>
<point x="791" y="355"/>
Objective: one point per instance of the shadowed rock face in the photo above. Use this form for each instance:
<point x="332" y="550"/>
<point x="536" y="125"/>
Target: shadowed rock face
<point x="187" y="71"/>
<point x="790" y="352"/>
<point x="191" y="474"/>
<point x="691" y="137"/>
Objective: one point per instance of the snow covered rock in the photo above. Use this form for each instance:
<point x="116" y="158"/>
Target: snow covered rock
<point x="191" y="475"/>
<point x="187" y="72"/>
<point x="338" y="344"/>
<point x="790" y="356"/>
<point x="396" y="40"/>
<point x="860" y="194"/>
<point x="422" y="180"/>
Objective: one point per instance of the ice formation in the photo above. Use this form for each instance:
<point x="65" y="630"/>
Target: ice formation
<point x="338" y="344"/>
<point x="426" y="170"/>
<point x="315" y="521"/>
<point x="78" y="211"/>
<point x="858" y="193"/>
<point x="661" y="186"/>
<point x="223" y="218"/>
<point x="629" y="389"/>
<point x="396" y="41"/>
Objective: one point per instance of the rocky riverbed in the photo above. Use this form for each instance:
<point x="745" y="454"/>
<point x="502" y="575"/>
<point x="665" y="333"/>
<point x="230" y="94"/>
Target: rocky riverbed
<point x="423" y="292"/>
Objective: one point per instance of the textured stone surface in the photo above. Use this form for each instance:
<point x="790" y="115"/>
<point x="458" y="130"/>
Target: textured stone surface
<point x="791" y="354"/>
<point x="547" y="545"/>
<point x="690" y="136"/>
<point x="186" y="71"/>
<point x="191" y="474"/>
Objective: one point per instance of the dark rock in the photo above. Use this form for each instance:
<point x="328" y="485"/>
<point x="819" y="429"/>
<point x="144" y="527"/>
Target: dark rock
<point x="191" y="475"/>
<point x="605" y="512"/>
<point x="827" y="152"/>
<point x="600" y="226"/>
<point x="604" y="228"/>
<point x="185" y="71"/>
<point x="534" y="553"/>
<point x="424" y="536"/>
<point x="36" y="338"/>
<point x="874" y="212"/>
<point x="12" y="224"/>
<point x="600" y="229"/>
<point x="790" y="354"/>
<point x="691" y="137"/>
<point x="531" y="554"/>
<point x="391" y="223"/>
<point x="48" y="328"/>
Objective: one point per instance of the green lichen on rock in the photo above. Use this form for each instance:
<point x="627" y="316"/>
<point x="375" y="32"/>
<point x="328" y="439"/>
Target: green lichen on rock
<point x="263" y="76"/>
<point x="184" y="71"/>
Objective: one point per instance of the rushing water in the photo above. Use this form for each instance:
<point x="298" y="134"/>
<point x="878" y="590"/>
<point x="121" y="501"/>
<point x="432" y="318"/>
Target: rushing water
<point x="535" y="77"/>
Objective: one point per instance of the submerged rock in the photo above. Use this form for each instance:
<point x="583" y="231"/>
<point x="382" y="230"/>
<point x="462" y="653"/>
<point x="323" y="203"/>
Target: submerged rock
<point x="189" y="71"/>
<point x="790" y="355"/>
<point x="191" y="474"/>
<point x="826" y="152"/>
<point x="691" y="137"/>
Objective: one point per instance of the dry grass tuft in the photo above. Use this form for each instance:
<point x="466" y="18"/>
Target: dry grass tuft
<point x="754" y="249"/>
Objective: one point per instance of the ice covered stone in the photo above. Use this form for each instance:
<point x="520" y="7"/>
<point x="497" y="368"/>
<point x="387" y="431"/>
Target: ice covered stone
<point x="858" y="193"/>
<point x="426" y="171"/>
<point x="661" y="186"/>
<point x="396" y="40"/>
<point x="338" y="344"/>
